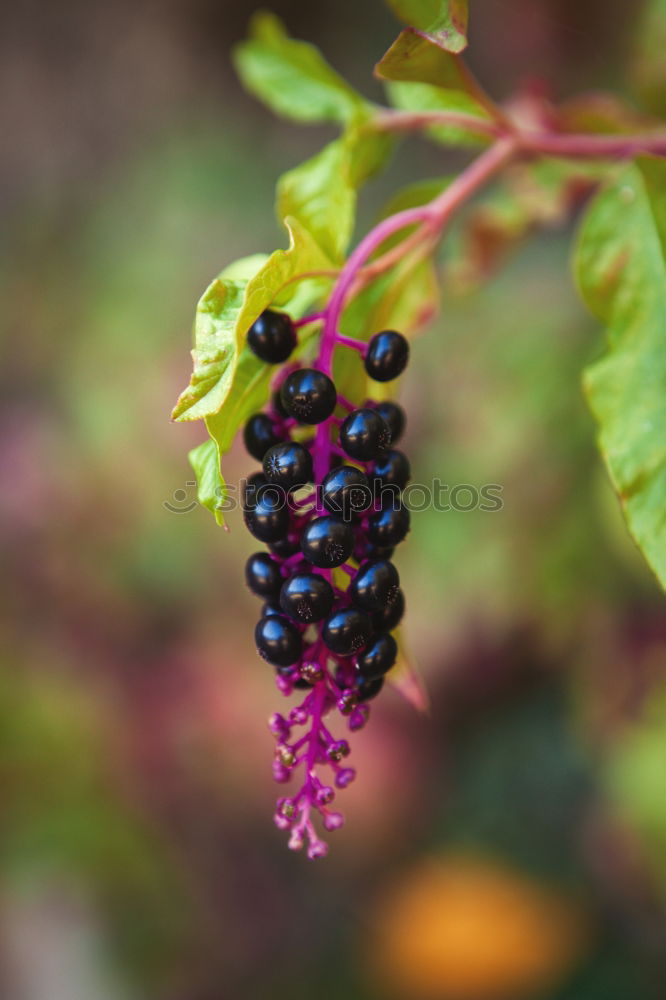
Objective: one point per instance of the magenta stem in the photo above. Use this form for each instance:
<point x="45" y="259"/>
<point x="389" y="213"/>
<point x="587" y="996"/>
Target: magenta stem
<point x="312" y="318"/>
<point x="357" y="345"/>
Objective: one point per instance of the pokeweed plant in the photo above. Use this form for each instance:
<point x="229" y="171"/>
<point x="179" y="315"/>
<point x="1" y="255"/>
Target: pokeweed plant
<point x="301" y="348"/>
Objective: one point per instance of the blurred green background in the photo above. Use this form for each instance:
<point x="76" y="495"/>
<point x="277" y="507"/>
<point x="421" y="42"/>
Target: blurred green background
<point x="509" y="846"/>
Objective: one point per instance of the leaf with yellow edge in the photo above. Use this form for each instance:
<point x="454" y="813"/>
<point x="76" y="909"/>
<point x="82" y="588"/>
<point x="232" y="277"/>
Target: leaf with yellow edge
<point x="226" y="311"/>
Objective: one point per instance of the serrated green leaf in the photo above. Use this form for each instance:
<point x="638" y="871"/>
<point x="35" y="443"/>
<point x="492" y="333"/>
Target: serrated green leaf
<point x="620" y="267"/>
<point x="211" y="487"/>
<point x="292" y="77"/>
<point x="226" y="311"/>
<point x="445" y="21"/>
<point x="322" y="192"/>
<point x="426" y="97"/>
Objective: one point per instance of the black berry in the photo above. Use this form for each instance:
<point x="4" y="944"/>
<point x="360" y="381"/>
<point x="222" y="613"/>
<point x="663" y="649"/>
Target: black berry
<point x="285" y="547"/>
<point x="391" y="469"/>
<point x="259" y="435"/>
<point x="262" y="575"/>
<point x="272" y="337"/>
<point x="390" y="616"/>
<point x="394" y="416"/>
<point x="387" y="356"/>
<point x="306" y="597"/>
<point x="364" y="435"/>
<point x="375" y="585"/>
<point x="271" y="610"/>
<point x="288" y="464"/>
<point x="308" y="395"/>
<point x="251" y="488"/>
<point x="327" y="542"/>
<point x="347" y="631"/>
<point x="378" y="658"/>
<point x="268" y="518"/>
<point x="278" y="641"/>
<point x="365" y="690"/>
<point x="389" y="525"/>
<point x="346" y="491"/>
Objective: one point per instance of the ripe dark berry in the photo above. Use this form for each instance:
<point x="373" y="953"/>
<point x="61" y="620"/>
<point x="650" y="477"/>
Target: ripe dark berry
<point x="364" y="435"/>
<point x="285" y="547"/>
<point x="327" y="542"/>
<point x="394" y="416"/>
<point x="268" y="518"/>
<point x="387" y="356"/>
<point x="250" y="489"/>
<point x="375" y="585"/>
<point x="288" y="464"/>
<point x="278" y="641"/>
<point x="389" y="526"/>
<point x="365" y="690"/>
<point x="308" y="395"/>
<point x="378" y="658"/>
<point x="272" y="337"/>
<point x="259" y="435"/>
<point x="390" y="616"/>
<point x="391" y="469"/>
<point x="262" y="575"/>
<point x="346" y="491"/>
<point x="347" y="631"/>
<point x="306" y="597"/>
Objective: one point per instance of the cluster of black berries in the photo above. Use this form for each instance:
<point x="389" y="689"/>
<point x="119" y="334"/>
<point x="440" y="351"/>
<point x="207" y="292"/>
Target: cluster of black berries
<point x="352" y="519"/>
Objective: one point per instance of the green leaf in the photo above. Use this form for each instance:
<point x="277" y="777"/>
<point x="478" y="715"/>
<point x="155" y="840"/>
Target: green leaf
<point x="226" y="311"/>
<point x="648" y="65"/>
<point x="211" y="487"/>
<point x="426" y="97"/>
<point x="621" y="271"/>
<point x="292" y="77"/>
<point x="426" y="53"/>
<point x="418" y="13"/>
<point x="445" y="21"/>
<point x="413" y="58"/>
<point x="322" y="192"/>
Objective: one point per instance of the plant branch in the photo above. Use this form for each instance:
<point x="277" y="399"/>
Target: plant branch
<point x="591" y="146"/>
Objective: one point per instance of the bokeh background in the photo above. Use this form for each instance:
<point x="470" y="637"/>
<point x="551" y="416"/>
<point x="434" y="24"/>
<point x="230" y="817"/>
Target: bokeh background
<point x="509" y="846"/>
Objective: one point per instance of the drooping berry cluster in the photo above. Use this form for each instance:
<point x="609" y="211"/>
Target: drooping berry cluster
<point x="327" y="502"/>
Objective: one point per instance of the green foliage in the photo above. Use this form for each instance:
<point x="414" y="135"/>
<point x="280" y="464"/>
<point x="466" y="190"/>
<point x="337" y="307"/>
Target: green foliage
<point x="321" y="193"/>
<point x="211" y="487"/>
<point x="292" y="77"/>
<point x="409" y="96"/>
<point x="226" y="311"/>
<point x="621" y="271"/>
<point x="443" y="22"/>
